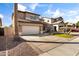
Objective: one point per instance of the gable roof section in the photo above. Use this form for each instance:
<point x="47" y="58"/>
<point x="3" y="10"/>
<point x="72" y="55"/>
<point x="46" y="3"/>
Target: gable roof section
<point x="28" y="12"/>
<point x="58" y="22"/>
<point x="25" y="12"/>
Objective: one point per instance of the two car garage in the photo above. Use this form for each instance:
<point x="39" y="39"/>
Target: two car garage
<point x="30" y="28"/>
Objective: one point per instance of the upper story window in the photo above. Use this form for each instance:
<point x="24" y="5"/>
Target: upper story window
<point x="21" y="15"/>
<point x="28" y="16"/>
<point x="32" y="17"/>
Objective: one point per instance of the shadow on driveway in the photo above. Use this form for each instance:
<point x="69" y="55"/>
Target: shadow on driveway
<point x="2" y="43"/>
<point x="8" y="43"/>
<point x="16" y="48"/>
<point x="11" y="43"/>
<point x="20" y="48"/>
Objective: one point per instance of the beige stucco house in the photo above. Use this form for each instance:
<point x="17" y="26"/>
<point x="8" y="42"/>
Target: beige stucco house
<point x="71" y="25"/>
<point x="28" y="23"/>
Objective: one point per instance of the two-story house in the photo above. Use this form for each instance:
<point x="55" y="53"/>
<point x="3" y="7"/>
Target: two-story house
<point x="57" y="23"/>
<point x="54" y="23"/>
<point x="28" y="23"/>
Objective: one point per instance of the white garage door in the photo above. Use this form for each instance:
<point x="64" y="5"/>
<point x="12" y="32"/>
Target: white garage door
<point x="30" y="30"/>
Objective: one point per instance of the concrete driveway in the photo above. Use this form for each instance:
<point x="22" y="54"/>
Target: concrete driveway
<point x="53" y="46"/>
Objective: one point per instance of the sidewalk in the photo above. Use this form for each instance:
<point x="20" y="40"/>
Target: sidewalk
<point x="64" y="50"/>
<point x="46" y="38"/>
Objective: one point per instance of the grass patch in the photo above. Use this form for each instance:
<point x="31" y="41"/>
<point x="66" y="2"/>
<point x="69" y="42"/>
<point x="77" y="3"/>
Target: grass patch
<point x="64" y="35"/>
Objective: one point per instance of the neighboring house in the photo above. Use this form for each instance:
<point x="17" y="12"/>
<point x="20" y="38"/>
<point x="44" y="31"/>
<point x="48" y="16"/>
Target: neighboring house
<point x="54" y="23"/>
<point x="71" y="25"/>
<point x="0" y="22"/>
<point x="28" y="23"/>
<point x="57" y="24"/>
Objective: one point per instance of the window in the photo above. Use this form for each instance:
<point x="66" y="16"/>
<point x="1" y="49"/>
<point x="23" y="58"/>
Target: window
<point x="32" y="17"/>
<point x="47" y="20"/>
<point x="21" y="15"/>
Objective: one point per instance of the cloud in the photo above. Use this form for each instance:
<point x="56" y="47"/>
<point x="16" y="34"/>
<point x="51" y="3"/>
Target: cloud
<point x="72" y="16"/>
<point x="77" y="18"/>
<point x="69" y="20"/>
<point x="57" y="13"/>
<point x="21" y="7"/>
<point x="48" y="13"/>
<point x="33" y="6"/>
<point x="72" y="12"/>
<point x="24" y="7"/>
<point x="53" y="14"/>
<point x="73" y="20"/>
<point x="1" y="16"/>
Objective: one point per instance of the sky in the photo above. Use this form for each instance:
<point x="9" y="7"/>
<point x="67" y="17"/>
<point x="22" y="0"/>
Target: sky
<point x="6" y="10"/>
<point x="69" y="11"/>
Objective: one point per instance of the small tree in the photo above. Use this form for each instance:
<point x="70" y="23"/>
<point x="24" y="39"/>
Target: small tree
<point x="77" y="24"/>
<point x="67" y="30"/>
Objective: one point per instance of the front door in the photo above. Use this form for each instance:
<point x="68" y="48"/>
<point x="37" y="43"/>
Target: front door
<point x="55" y="29"/>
